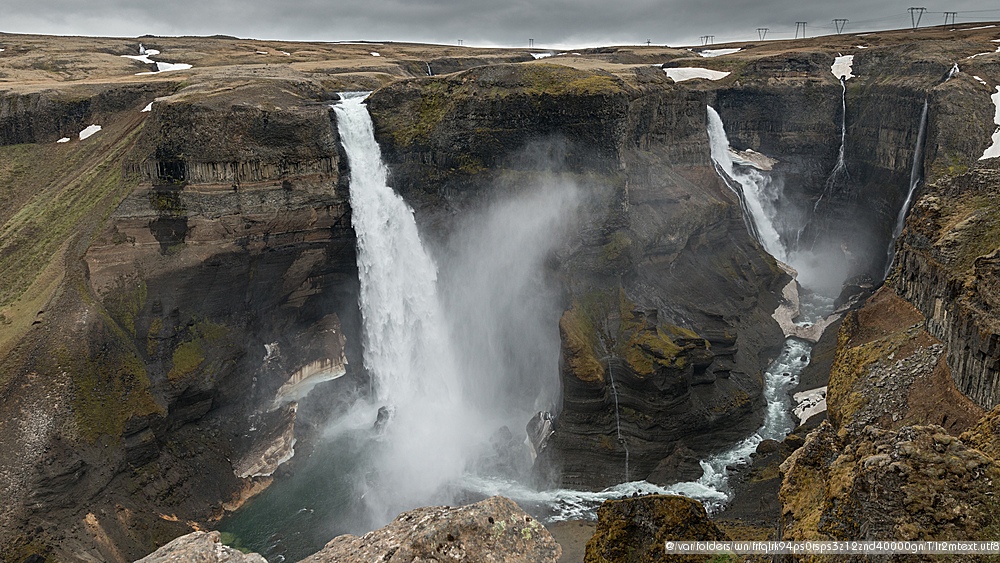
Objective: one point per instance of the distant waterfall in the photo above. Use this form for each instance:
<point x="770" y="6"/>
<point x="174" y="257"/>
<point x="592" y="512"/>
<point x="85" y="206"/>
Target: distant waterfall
<point x="916" y="177"/>
<point x="753" y="189"/>
<point x="839" y="169"/>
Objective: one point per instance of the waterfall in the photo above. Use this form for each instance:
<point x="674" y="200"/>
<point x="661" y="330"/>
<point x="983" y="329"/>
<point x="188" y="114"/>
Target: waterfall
<point x="618" y="420"/>
<point x="407" y="350"/>
<point x="916" y="176"/>
<point x="839" y="169"/>
<point x="429" y="73"/>
<point x="756" y="193"/>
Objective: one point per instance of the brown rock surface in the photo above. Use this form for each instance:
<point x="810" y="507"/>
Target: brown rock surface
<point x="491" y="531"/>
<point x="917" y="483"/>
<point x="199" y="547"/>
<point x="635" y="529"/>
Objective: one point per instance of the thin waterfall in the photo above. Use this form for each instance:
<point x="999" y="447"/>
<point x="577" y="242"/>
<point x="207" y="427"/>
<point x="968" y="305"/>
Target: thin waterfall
<point x="839" y="169"/>
<point x="916" y="177"/>
<point x="618" y="421"/>
<point x="429" y="72"/>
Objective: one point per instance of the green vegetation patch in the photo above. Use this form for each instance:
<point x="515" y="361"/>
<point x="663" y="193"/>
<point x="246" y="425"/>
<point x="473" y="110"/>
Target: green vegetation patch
<point x="50" y="190"/>
<point x="972" y="229"/>
<point x="603" y="324"/>
<point x="420" y="106"/>
<point x="110" y="381"/>
<point x="199" y="354"/>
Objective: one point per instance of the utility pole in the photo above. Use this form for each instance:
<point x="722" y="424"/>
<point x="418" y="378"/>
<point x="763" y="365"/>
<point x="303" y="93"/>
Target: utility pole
<point x="762" y="32"/>
<point x="648" y="42"/>
<point x="460" y="42"/>
<point x="704" y="40"/>
<point x="950" y="15"/>
<point x="840" y="24"/>
<point x="915" y="15"/>
<point x="531" y="42"/>
<point x="802" y="26"/>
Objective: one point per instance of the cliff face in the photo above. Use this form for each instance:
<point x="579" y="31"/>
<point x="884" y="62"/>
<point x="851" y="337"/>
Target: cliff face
<point x="221" y="285"/>
<point x="644" y="274"/>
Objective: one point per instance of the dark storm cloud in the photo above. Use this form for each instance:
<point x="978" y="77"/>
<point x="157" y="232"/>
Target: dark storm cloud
<point x="477" y="22"/>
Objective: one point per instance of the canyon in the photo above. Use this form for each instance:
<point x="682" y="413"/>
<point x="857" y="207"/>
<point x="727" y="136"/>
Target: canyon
<point x="181" y="295"/>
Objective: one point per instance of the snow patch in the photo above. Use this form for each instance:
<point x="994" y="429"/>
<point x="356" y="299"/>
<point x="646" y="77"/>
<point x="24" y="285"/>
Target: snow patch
<point x="860" y="47"/>
<point x="980" y="27"/>
<point x="143" y="57"/>
<point x="752" y="158"/>
<point x="149" y="107"/>
<point x="689" y="73"/>
<point x="980" y="80"/>
<point x="718" y="52"/>
<point x="541" y="55"/>
<point x="166" y="67"/>
<point x="809" y="403"/>
<point x="841" y="67"/>
<point x="90" y="130"/>
<point x="286" y="53"/>
<point x="63" y="140"/>
<point x="261" y="52"/>
<point x="986" y="53"/>
<point x="375" y="54"/>
<point x="994" y="150"/>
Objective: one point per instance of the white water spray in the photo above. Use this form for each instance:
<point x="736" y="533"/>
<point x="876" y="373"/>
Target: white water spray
<point x="916" y="177"/>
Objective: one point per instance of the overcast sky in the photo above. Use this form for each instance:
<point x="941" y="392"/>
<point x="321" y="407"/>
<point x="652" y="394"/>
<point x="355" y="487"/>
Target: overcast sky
<point x="551" y="23"/>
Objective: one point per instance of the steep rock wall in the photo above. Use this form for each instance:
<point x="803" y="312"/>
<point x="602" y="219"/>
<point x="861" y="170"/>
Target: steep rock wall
<point x="202" y="295"/>
<point x="661" y="245"/>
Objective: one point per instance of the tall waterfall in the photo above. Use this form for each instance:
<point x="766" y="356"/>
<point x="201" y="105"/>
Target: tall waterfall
<point x="916" y="177"/>
<point x="407" y="349"/>
<point x="457" y="348"/>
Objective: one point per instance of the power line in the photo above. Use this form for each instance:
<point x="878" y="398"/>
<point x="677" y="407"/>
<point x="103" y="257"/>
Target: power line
<point x="951" y="15"/>
<point x="761" y="32"/>
<point x="915" y="15"/>
<point x="840" y="24"/>
<point x="802" y="26"/>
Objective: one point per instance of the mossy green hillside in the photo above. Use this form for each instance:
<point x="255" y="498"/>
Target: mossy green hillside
<point x="437" y="97"/>
<point x="50" y="190"/>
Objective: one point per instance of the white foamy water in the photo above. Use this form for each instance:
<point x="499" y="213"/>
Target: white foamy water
<point x="407" y="351"/>
<point x="712" y="489"/>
